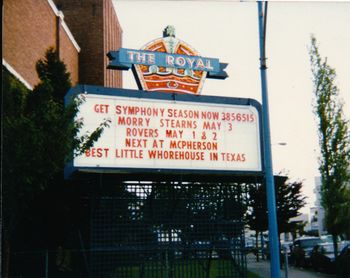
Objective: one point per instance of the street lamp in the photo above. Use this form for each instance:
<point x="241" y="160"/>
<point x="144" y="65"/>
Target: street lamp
<point x="282" y="144"/>
<point x="269" y="179"/>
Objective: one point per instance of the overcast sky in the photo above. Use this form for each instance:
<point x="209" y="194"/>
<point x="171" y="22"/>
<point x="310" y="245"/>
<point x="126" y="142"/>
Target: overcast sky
<point x="229" y="31"/>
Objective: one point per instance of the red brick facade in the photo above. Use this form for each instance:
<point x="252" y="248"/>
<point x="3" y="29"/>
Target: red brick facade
<point x="30" y="27"/>
<point x="96" y="28"/>
<point x="112" y="41"/>
<point x="69" y="55"/>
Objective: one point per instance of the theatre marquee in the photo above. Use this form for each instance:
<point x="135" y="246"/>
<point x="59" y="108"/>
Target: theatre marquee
<point x="175" y="132"/>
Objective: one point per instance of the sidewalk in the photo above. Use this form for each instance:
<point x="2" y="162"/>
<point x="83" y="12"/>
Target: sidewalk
<point x="262" y="269"/>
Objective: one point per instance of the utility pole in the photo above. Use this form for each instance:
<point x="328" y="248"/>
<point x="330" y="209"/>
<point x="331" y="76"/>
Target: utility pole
<point x="269" y="179"/>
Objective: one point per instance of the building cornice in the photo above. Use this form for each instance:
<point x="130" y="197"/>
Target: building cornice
<point x="59" y="14"/>
<point x="16" y="74"/>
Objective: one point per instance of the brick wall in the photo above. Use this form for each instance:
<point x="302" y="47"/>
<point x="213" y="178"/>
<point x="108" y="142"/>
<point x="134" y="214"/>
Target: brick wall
<point x="95" y="26"/>
<point x="112" y="41"/>
<point x="30" y="28"/>
<point x="68" y="54"/>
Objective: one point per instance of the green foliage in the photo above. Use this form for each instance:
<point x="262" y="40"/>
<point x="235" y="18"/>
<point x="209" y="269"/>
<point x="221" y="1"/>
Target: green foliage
<point x="39" y="136"/>
<point x="202" y="205"/>
<point x="334" y="139"/>
<point x="257" y="216"/>
<point x="16" y="159"/>
<point x="40" y="133"/>
<point x="185" y="269"/>
<point x="34" y="142"/>
<point x="289" y="200"/>
<point x="52" y="69"/>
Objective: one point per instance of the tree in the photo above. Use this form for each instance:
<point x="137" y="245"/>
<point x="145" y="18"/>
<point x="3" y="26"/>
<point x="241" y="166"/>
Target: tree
<point x="257" y="215"/>
<point x="289" y="201"/>
<point x="39" y="136"/>
<point x="334" y="140"/>
<point x="14" y="157"/>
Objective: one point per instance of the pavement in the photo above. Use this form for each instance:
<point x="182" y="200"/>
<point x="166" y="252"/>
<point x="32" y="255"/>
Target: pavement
<point x="262" y="269"/>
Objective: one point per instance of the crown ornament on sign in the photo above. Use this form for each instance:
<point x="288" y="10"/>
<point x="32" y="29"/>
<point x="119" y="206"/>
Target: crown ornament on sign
<point x="169" y="31"/>
<point x="170" y="79"/>
<point x="168" y="64"/>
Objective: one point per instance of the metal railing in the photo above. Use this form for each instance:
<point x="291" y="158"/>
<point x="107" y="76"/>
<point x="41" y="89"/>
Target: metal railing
<point x="137" y="229"/>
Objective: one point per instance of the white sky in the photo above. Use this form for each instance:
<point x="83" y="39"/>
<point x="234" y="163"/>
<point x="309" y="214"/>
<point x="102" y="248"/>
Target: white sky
<point x="229" y="31"/>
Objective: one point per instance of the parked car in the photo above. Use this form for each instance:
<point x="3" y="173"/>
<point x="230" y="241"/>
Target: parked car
<point x="343" y="262"/>
<point x="322" y="257"/>
<point x="286" y="247"/>
<point x="301" y="250"/>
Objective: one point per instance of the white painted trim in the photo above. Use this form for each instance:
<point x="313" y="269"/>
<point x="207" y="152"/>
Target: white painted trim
<point x="64" y="25"/>
<point x="66" y="28"/>
<point x="53" y="7"/>
<point x="16" y="74"/>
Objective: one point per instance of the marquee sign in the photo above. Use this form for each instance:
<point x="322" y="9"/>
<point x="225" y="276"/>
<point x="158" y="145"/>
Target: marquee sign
<point x="168" y="65"/>
<point x="158" y="131"/>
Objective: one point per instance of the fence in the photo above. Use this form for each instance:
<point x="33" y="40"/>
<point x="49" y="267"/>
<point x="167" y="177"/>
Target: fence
<point x="152" y="229"/>
<point x="167" y="229"/>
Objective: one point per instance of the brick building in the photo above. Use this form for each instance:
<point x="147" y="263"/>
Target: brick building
<point x="30" y="27"/>
<point x="83" y="33"/>
<point x="96" y="28"/>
